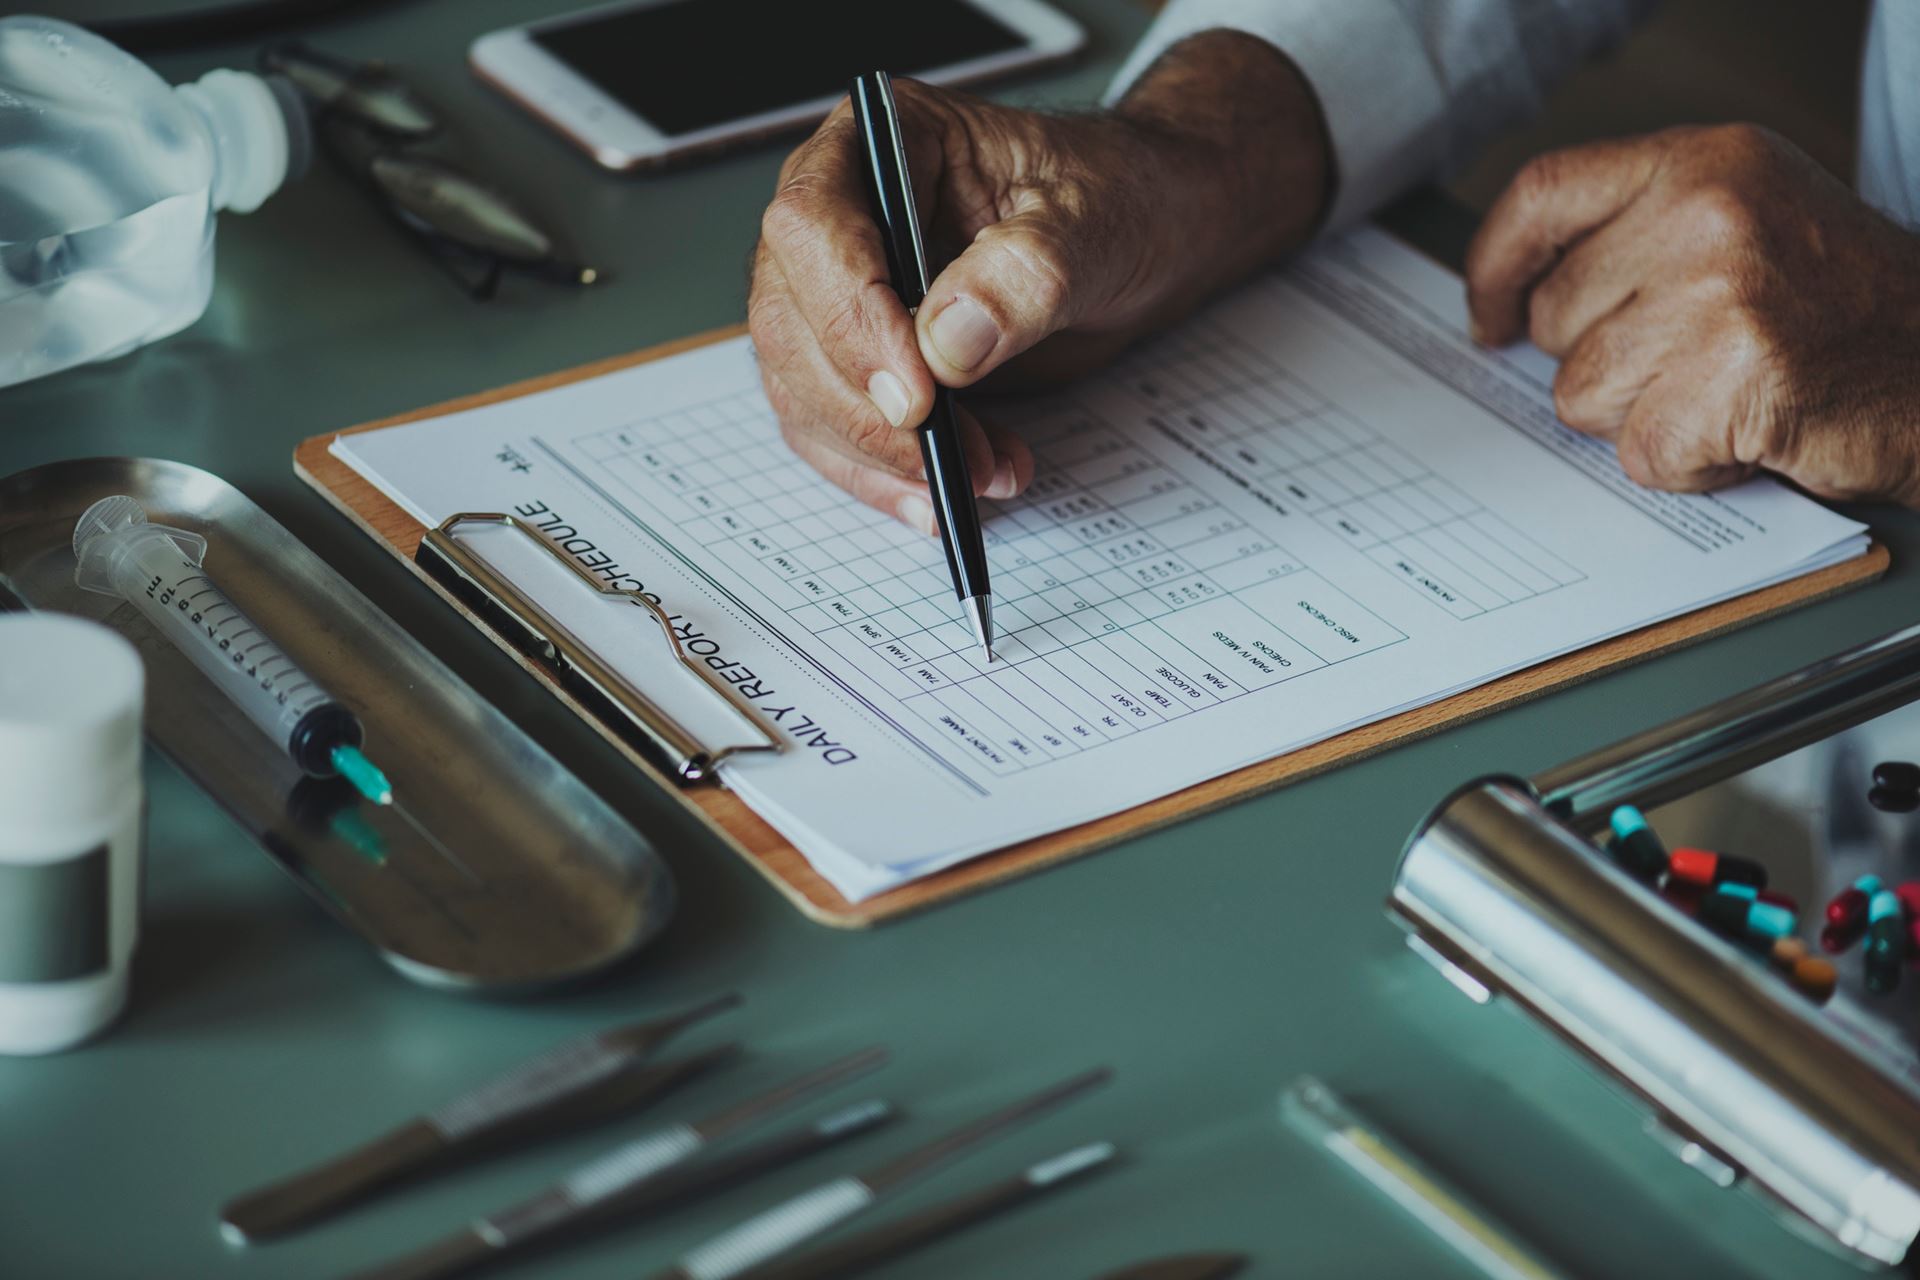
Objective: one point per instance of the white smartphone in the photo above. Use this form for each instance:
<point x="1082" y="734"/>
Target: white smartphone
<point x="645" y="82"/>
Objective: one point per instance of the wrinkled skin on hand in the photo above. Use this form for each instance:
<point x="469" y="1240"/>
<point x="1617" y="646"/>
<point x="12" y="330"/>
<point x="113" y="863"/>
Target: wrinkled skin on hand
<point x="1070" y="235"/>
<point x="1719" y="304"/>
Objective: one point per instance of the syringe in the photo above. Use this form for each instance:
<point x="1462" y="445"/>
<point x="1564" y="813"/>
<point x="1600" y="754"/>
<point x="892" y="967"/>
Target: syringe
<point x="158" y="570"/>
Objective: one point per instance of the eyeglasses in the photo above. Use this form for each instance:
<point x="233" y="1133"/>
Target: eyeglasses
<point x="375" y="126"/>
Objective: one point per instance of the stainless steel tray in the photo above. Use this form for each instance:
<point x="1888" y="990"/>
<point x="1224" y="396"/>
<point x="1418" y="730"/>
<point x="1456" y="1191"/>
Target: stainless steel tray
<point x="1503" y="889"/>
<point x="495" y="869"/>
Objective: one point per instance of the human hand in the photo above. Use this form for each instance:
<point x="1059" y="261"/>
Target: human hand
<point x="1077" y="234"/>
<point x="1719" y="304"/>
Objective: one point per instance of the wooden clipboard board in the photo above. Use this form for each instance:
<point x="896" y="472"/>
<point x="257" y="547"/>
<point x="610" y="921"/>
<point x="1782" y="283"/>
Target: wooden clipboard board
<point x="781" y="863"/>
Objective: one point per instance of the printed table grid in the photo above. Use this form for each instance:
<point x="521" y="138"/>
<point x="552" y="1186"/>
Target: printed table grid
<point x="1125" y="598"/>
<point x="1290" y="447"/>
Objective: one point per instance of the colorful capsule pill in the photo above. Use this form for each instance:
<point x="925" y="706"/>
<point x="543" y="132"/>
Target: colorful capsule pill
<point x="1774" y="921"/>
<point x="1886" y="947"/>
<point x="1847" y="914"/>
<point x="1849" y="906"/>
<point x="1810" y="975"/>
<point x="1887" y="800"/>
<point x="1909" y="895"/>
<point x="1682" y="895"/>
<point x="1700" y="866"/>
<point x="1755" y="923"/>
<point x="1634" y="846"/>
<point x="1752" y="894"/>
<point x="1897" y="775"/>
<point x="1814" y="977"/>
<point x="1834" y="939"/>
<point x="1886" y="941"/>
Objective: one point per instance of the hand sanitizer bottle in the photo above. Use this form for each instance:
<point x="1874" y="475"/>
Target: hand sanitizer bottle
<point x="109" y="180"/>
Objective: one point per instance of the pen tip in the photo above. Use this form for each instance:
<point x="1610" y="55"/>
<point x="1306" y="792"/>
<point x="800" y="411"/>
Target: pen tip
<point x="979" y="611"/>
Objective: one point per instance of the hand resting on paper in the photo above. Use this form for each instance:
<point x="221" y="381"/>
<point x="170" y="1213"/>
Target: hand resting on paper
<point x="1720" y="305"/>
<point x="1074" y="235"/>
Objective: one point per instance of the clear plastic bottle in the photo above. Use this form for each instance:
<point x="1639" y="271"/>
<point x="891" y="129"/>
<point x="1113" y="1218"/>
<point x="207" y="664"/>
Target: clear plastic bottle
<point x="109" y="182"/>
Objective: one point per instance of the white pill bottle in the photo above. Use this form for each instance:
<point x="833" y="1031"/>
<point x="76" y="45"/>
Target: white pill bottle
<point x="71" y="809"/>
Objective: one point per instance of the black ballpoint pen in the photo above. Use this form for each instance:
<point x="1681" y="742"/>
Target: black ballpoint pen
<point x="890" y="190"/>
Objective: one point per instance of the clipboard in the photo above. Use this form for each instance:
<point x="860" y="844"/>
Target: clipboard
<point x="660" y="750"/>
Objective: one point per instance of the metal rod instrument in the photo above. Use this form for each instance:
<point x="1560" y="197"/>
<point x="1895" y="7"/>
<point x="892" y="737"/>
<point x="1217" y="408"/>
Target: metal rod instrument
<point x="888" y="1241"/>
<point x="583" y="1079"/>
<point x="590" y="1191"/>
<point x="767" y="1235"/>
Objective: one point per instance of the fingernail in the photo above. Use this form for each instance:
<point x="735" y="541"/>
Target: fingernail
<point x="963" y="333"/>
<point x="916" y="511"/>
<point x="1001" y="486"/>
<point x="1478" y="332"/>
<point x="889" y="396"/>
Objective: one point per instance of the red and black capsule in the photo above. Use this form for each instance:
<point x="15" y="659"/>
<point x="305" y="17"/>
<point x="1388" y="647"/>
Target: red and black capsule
<point x="1703" y="867"/>
<point x="1847" y="914"/>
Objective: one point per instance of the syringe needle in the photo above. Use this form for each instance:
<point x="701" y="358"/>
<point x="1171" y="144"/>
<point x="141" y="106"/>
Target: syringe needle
<point x="363" y="774"/>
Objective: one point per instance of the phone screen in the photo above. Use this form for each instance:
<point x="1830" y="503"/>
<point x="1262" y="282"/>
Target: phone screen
<point x="687" y="65"/>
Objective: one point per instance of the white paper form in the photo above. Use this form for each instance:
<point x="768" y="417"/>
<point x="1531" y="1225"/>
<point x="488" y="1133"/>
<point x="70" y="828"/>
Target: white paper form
<point x="1312" y="506"/>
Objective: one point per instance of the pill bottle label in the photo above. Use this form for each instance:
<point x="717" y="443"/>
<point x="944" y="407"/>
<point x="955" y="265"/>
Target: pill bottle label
<point x="53" y="918"/>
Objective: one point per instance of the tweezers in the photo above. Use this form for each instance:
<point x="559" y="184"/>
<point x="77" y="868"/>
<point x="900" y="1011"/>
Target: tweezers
<point x="621" y="1179"/>
<point x="580" y="1081"/>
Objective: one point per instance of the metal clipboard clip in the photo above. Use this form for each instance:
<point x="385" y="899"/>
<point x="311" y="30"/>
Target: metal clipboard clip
<point x="623" y="705"/>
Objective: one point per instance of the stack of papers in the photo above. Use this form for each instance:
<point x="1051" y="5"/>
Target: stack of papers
<point x="1312" y="506"/>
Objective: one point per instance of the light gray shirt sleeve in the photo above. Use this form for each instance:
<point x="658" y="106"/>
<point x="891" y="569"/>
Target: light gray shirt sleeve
<point x="1410" y="88"/>
<point x="1890" y="112"/>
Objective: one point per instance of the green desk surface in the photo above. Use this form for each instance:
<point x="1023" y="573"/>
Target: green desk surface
<point x="1209" y="963"/>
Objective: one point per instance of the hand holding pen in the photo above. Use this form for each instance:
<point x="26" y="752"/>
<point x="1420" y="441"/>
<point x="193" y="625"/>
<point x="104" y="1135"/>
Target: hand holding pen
<point x="1074" y="233"/>
<point x="848" y="369"/>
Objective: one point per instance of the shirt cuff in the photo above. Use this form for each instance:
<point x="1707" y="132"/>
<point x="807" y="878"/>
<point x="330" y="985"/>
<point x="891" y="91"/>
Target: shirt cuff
<point x="1376" y="82"/>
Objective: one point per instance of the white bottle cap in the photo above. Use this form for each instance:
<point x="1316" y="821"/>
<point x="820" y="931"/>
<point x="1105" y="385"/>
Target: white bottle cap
<point x="70" y="700"/>
<point x="259" y="136"/>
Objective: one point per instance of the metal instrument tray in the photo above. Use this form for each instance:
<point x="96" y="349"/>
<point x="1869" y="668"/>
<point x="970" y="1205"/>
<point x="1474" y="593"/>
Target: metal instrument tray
<point x="495" y="869"/>
<point x="1818" y="1108"/>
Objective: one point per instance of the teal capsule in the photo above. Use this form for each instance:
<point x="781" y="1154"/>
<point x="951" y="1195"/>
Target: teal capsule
<point x="1634" y="846"/>
<point x="1743" y="920"/>
<point x="1772" y="919"/>
<point x="1883" y="904"/>
<point x="1886" y="947"/>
